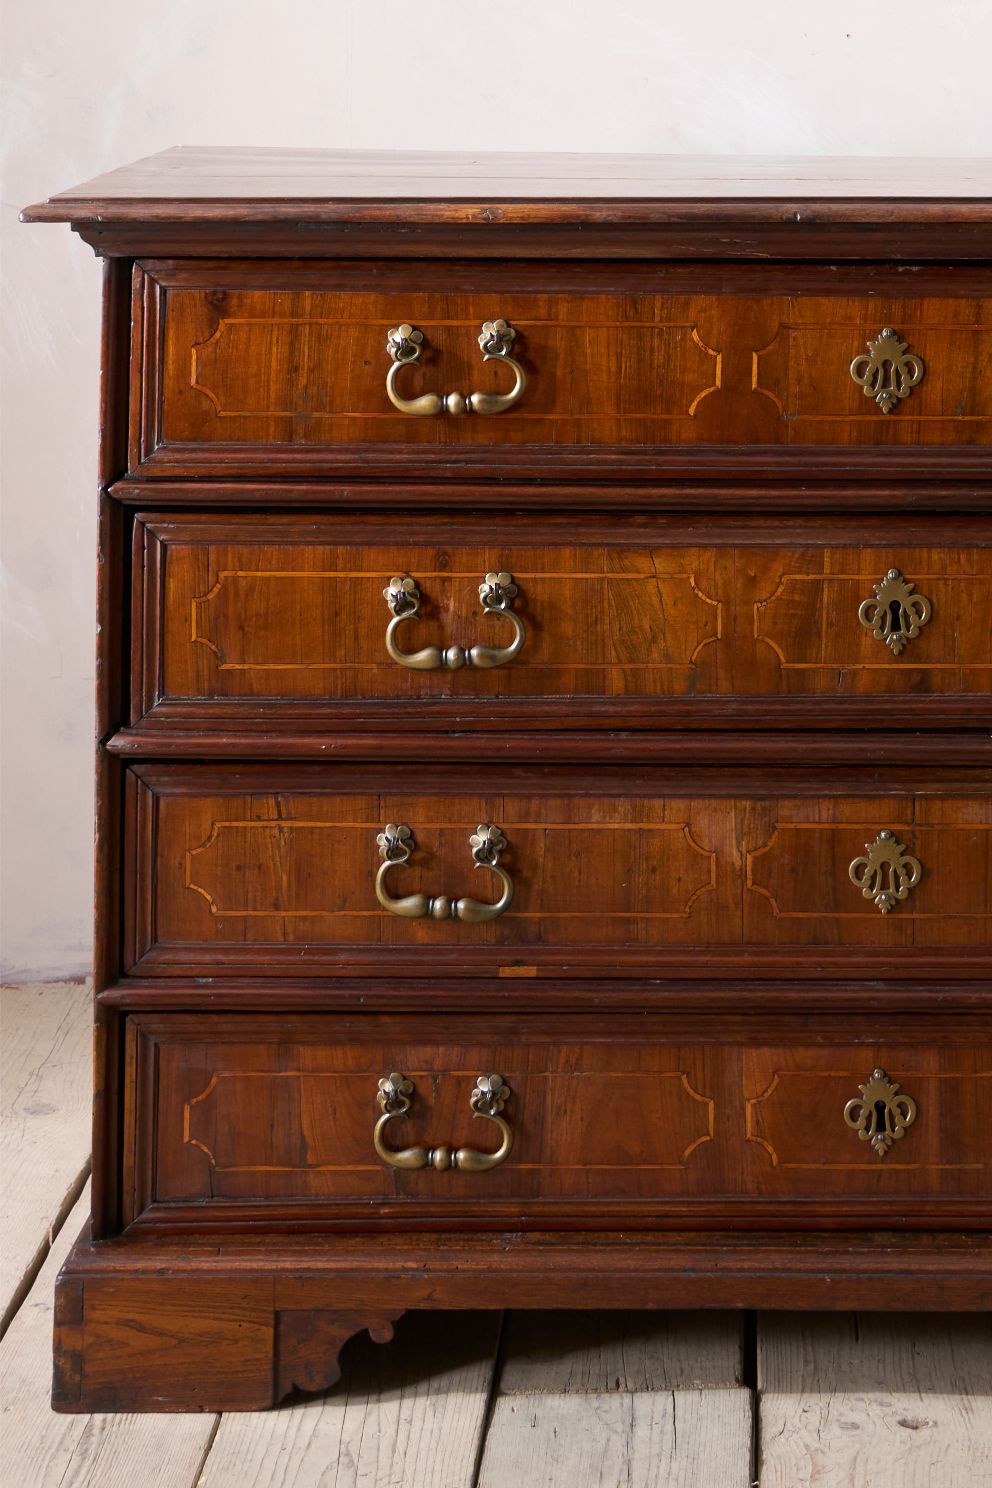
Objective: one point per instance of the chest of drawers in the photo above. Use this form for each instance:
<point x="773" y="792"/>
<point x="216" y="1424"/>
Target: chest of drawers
<point x="544" y="847"/>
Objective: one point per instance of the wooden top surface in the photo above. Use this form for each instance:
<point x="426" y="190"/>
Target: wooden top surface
<point x="242" y="184"/>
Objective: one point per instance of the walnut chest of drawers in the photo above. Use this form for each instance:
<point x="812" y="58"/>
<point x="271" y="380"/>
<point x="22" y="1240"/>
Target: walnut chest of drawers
<point x="545" y="794"/>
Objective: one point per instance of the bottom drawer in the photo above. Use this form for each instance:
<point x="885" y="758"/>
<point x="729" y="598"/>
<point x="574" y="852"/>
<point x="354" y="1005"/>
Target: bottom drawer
<point x="510" y="1121"/>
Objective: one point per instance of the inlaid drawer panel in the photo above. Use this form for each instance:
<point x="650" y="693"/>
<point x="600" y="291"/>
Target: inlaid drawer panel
<point x="390" y="618"/>
<point x="515" y="869"/>
<point x="297" y="359"/>
<point x="649" y="1120"/>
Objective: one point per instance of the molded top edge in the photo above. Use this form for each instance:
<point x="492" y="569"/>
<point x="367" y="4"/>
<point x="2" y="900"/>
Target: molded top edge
<point x="246" y="184"/>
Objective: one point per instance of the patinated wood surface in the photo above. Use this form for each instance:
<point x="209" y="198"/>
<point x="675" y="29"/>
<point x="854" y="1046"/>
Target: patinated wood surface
<point x="254" y="611"/>
<point x="296" y="358"/>
<point x="251" y="865"/>
<point x="279" y="1112"/>
<point x="216" y="181"/>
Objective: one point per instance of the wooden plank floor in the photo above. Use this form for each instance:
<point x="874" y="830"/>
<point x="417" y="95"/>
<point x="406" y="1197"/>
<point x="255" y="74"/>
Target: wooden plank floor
<point x="480" y="1400"/>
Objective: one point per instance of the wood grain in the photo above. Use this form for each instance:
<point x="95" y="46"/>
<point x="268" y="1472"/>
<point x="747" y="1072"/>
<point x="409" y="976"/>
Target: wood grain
<point x="253" y="864"/>
<point x="201" y="181"/>
<point x="589" y="1353"/>
<point x="411" y="1411"/>
<point x="80" y="1451"/>
<point x="574" y="1385"/>
<point x="44" y="1124"/>
<point x="689" y="1439"/>
<point x="871" y="1400"/>
<point x="643" y="1120"/>
<point x="245" y="619"/>
<point x="240" y="356"/>
<point x="148" y="1323"/>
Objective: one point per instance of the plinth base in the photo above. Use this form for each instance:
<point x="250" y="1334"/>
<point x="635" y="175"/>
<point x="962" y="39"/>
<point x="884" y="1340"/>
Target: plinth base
<point x="235" y="1323"/>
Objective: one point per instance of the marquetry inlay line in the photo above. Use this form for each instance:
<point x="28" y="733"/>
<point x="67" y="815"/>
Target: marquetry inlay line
<point x="752" y="1102"/>
<point x="427" y="1077"/>
<point x="717" y="373"/>
<point x="705" y="888"/>
<point x="710" y="1105"/>
<point x="467" y="325"/>
<point x="385" y="665"/>
<point x="376" y="580"/>
<point x="515" y="414"/>
<point x="755" y="373"/>
<point x="890" y="665"/>
<point x="283" y="824"/>
<point x="916" y="829"/>
<point x="855" y="329"/>
<point x="370" y="327"/>
<point x="893" y="664"/>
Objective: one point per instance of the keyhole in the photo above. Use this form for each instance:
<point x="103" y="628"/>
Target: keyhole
<point x="895" y="618"/>
<point x="879" y="1117"/>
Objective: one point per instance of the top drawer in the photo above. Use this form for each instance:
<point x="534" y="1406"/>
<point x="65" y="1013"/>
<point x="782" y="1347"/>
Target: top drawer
<point x="253" y="363"/>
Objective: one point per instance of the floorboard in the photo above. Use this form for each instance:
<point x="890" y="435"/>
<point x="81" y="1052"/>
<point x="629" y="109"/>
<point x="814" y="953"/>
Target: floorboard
<point x="43" y="1450"/>
<point x="625" y="1351"/>
<point x="639" y="1439"/>
<point x="630" y="1399"/>
<point x="405" y="1414"/>
<point x="875" y="1400"/>
<point x="45" y="1099"/>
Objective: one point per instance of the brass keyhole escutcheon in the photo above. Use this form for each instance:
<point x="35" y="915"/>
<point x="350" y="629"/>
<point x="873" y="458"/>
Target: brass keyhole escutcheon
<point x="881" y="1114"/>
<point x="896" y="613"/>
<point x="886" y="872"/>
<point x="888" y="371"/>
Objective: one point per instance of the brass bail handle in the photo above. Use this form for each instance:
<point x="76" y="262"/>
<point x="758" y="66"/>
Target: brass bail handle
<point x="487" y="843"/>
<point x="488" y="1098"/>
<point x="496" y="594"/>
<point x="405" y="343"/>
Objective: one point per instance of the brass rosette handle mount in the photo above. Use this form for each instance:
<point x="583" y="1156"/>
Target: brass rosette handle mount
<point x="496" y="595"/>
<point x="487" y="843"/>
<point x="489" y="1096"/>
<point x="405" y="344"/>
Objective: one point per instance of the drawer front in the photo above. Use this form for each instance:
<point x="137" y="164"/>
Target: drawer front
<point x="250" y="615"/>
<point x="375" y="1119"/>
<point x="344" y="867"/>
<point x="297" y="358"/>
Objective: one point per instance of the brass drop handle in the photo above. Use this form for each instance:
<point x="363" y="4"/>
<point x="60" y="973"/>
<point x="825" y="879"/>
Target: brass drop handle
<point x="488" y="1098"/>
<point x="395" y="846"/>
<point x="881" y="1114"/>
<point x="497" y="593"/>
<point x="405" y="343"/>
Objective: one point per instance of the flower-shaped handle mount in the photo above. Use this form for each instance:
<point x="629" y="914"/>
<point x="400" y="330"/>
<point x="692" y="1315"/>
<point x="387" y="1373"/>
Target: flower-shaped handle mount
<point x="487" y="843"/>
<point x="496" y="594"/>
<point x="405" y="344"/>
<point x="489" y="1095"/>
